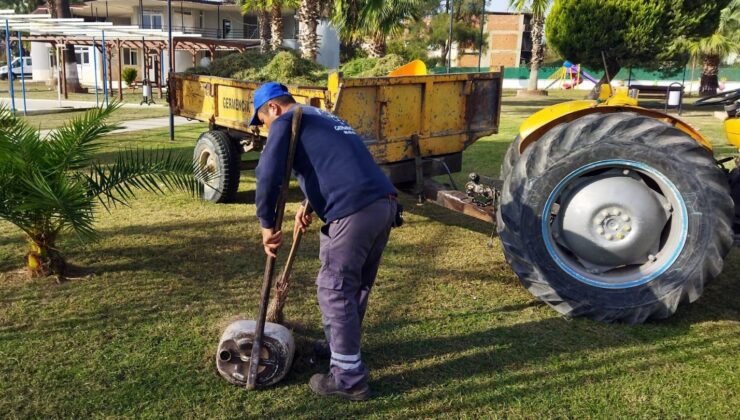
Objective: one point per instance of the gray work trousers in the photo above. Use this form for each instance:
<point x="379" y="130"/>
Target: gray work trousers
<point x="351" y="248"/>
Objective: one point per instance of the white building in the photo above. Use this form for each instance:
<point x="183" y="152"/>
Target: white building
<point x="219" y="20"/>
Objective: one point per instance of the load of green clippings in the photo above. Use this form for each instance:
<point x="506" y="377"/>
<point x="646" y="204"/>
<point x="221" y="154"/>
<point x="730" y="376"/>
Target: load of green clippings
<point x="288" y="67"/>
<point x="228" y="65"/>
<point x="372" y="67"/>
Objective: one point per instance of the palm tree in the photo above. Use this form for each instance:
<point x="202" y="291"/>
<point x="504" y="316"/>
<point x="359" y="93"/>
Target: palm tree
<point x="712" y="49"/>
<point x="538" y="8"/>
<point x="374" y="20"/>
<point x="276" y="20"/>
<point x="308" y="16"/>
<point x="60" y="9"/>
<point x="51" y="185"/>
<point x="261" y="7"/>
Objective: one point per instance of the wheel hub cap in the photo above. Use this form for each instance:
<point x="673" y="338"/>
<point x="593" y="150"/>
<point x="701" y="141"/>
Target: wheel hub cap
<point x="611" y="222"/>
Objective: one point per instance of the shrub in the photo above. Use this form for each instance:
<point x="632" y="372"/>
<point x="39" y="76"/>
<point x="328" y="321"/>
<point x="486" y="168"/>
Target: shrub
<point x="129" y="75"/>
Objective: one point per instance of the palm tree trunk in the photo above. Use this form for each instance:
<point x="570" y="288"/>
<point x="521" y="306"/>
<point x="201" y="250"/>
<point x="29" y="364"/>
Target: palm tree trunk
<point x="308" y="16"/>
<point x="377" y="47"/>
<point x="61" y="9"/>
<point x="43" y="259"/>
<point x="276" y="26"/>
<point x="263" y="23"/>
<point x="709" y="81"/>
<point x="538" y="23"/>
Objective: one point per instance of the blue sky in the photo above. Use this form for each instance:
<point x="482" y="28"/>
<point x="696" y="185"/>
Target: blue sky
<point x="497" y="5"/>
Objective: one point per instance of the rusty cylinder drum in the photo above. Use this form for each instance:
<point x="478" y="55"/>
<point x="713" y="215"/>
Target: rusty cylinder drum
<point x="235" y="349"/>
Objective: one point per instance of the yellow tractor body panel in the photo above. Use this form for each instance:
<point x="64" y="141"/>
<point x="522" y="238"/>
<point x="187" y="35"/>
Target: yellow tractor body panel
<point x="444" y="113"/>
<point x="551" y="113"/>
<point x="544" y="120"/>
<point x="732" y="129"/>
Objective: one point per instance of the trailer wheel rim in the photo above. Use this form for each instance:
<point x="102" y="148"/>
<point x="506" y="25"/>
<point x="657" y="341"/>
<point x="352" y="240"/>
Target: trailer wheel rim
<point x="670" y="238"/>
<point x="207" y="161"/>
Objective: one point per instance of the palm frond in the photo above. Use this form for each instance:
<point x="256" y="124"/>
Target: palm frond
<point x="52" y="205"/>
<point x="536" y="7"/>
<point x="71" y="147"/>
<point x="155" y="172"/>
<point x="19" y="142"/>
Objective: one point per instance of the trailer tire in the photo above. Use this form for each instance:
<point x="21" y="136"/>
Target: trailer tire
<point x="568" y="178"/>
<point x="216" y="151"/>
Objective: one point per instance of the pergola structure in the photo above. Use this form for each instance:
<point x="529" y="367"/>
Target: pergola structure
<point x="63" y="31"/>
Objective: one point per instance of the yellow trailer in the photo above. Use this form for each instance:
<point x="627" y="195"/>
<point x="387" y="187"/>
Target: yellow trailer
<point x="415" y="127"/>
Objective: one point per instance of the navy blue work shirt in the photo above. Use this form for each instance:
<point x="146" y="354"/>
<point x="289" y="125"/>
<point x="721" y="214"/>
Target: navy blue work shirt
<point x="335" y="170"/>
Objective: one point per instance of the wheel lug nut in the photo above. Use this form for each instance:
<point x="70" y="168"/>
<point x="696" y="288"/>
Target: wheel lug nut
<point x="600" y="231"/>
<point x="652" y="258"/>
<point x="616" y="212"/>
<point x="620" y="235"/>
<point x="609" y="236"/>
<point x="625" y="218"/>
<point x="627" y="228"/>
<point x="597" y="221"/>
<point x="604" y="213"/>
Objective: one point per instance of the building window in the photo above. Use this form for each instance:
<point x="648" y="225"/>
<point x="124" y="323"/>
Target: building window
<point x="200" y="20"/>
<point x="130" y="56"/>
<point x="152" y="20"/>
<point x="82" y="55"/>
<point x="226" y="27"/>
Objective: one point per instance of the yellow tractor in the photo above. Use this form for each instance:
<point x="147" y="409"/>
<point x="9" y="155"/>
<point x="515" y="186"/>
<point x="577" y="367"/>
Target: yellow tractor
<point x="617" y="212"/>
<point x="605" y="209"/>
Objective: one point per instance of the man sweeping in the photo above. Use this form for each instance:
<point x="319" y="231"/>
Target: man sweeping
<point x="348" y="191"/>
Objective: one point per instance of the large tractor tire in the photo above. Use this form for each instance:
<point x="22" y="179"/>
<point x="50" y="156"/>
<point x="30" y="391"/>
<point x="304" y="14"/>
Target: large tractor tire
<point x="511" y="157"/>
<point x="616" y="217"/>
<point x="735" y="186"/>
<point x="217" y="154"/>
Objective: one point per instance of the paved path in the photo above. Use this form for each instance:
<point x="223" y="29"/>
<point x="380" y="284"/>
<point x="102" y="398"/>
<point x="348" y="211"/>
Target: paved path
<point x="145" y="124"/>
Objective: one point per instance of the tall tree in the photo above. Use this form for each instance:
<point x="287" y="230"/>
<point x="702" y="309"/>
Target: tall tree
<point x="276" y="24"/>
<point x="308" y="17"/>
<point x="538" y="8"/>
<point x="276" y="20"/>
<point x="261" y="8"/>
<point x="374" y="20"/>
<point x="60" y="9"/>
<point x="712" y="49"/>
<point x="639" y="33"/>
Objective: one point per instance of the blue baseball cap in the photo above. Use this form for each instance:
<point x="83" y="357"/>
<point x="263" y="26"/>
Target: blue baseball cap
<point x="264" y="93"/>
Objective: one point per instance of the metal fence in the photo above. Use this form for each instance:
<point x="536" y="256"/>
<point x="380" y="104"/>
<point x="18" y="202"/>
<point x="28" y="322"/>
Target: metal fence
<point x="731" y="74"/>
<point x="246" y="32"/>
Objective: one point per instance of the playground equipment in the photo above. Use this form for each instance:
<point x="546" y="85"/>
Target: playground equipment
<point x="570" y="75"/>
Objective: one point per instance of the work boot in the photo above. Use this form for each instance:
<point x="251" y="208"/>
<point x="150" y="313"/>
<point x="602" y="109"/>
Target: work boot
<point x="324" y="384"/>
<point x="321" y="350"/>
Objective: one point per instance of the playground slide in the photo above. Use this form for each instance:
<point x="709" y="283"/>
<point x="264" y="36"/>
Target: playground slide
<point x="588" y="77"/>
<point x="578" y="81"/>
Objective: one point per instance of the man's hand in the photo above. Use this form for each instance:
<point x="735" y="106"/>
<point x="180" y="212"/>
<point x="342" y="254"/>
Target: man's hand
<point x="271" y="241"/>
<point x="302" y="221"/>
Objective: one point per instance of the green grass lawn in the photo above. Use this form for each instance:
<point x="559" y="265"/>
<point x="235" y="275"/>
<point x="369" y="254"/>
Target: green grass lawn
<point x="449" y="331"/>
<point x="41" y="90"/>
